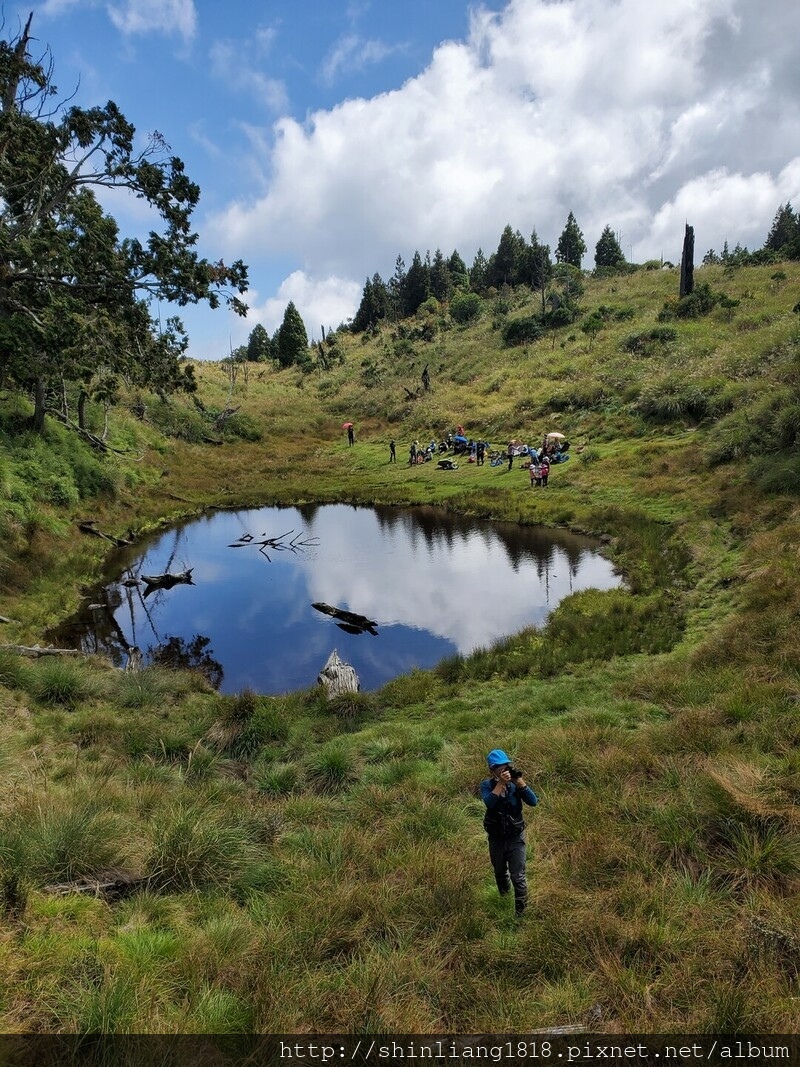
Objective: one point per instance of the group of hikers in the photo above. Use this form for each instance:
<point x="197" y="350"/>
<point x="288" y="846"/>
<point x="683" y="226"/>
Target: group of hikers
<point x="554" y="449"/>
<point x="538" y="461"/>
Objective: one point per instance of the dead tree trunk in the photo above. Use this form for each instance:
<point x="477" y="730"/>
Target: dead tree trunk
<point x="687" y="262"/>
<point x="337" y="677"/>
<point x="39" y="405"/>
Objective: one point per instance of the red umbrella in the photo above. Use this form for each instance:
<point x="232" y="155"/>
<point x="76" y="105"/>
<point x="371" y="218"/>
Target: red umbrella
<point x="346" y="425"/>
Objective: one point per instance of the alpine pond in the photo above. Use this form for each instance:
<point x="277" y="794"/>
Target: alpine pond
<point x="429" y="583"/>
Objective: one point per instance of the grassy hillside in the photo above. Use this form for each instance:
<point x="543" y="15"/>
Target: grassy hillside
<point x="304" y="867"/>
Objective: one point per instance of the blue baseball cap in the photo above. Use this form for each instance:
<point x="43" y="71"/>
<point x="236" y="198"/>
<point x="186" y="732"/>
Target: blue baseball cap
<point x="497" y="758"/>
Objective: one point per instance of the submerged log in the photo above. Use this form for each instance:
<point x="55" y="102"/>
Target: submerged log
<point x="360" y="623"/>
<point x="166" y="581"/>
<point x="337" y="677"/>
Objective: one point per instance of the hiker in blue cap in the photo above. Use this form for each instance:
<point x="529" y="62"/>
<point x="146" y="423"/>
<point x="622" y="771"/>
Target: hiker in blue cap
<point x="504" y="793"/>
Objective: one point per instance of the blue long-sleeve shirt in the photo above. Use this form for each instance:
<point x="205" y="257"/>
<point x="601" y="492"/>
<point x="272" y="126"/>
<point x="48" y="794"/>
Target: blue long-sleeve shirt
<point x="503" y="819"/>
<point x="511" y="802"/>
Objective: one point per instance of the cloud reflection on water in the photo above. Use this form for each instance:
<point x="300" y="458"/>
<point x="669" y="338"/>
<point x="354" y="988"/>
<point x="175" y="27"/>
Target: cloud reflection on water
<point x="435" y="583"/>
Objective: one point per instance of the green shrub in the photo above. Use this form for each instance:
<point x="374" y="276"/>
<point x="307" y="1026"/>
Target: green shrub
<point x="522" y="331"/>
<point x="648" y="341"/>
<point x="699" y="302"/>
<point x="242" y="427"/>
<point x="177" y="420"/>
<point x="431" y="306"/>
<point x="466" y="308"/>
<point x="403" y="348"/>
<point x="59" y="491"/>
<point x="563" y="315"/>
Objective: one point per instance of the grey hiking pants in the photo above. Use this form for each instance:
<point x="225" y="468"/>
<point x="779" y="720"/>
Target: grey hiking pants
<point x="508" y="860"/>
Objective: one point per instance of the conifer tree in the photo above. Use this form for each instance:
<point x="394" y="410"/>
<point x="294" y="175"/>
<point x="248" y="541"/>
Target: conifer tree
<point x="441" y="282"/>
<point x="504" y="265"/>
<point x="396" y="288"/>
<point x="457" y="268"/>
<point x="571" y="246"/>
<point x="784" y="229"/>
<point x="374" y="304"/>
<point x="417" y="286"/>
<point x="607" y="252"/>
<point x="259" y="346"/>
<point x="477" y="272"/>
<point x="538" y="266"/>
<point x="292" y="338"/>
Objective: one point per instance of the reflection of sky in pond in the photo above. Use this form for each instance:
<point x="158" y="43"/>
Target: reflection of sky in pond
<point x="435" y="584"/>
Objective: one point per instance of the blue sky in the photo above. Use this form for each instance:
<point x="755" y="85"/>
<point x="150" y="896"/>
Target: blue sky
<point x="327" y="137"/>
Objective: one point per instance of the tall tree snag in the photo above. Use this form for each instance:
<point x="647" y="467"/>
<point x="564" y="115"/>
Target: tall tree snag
<point x="687" y="262"/>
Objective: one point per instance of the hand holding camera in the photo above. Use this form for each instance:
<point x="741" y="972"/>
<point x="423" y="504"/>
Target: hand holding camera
<point x="511" y="774"/>
<point x="517" y="777"/>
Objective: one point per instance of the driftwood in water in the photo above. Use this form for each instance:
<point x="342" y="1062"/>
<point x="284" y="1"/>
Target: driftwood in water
<point x="349" y="620"/>
<point x="279" y="543"/>
<point x="166" y="581"/>
<point x="337" y="677"/>
<point x="89" y="526"/>
<point x="34" y="651"/>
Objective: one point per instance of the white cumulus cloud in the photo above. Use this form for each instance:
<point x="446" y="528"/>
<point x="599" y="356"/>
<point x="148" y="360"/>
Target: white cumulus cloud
<point x="322" y="302"/>
<point x="633" y="113"/>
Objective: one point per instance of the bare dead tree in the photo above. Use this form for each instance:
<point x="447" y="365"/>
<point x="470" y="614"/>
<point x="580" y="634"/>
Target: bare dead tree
<point x="687" y="262"/>
<point x="277" y="544"/>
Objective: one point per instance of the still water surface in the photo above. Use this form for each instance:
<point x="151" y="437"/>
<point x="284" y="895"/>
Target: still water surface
<point x="434" y="583"/>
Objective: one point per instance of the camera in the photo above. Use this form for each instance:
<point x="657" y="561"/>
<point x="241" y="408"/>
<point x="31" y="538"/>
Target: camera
<point x="515" y="773"/>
